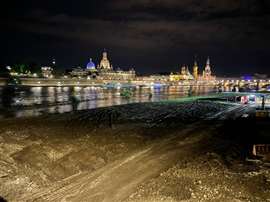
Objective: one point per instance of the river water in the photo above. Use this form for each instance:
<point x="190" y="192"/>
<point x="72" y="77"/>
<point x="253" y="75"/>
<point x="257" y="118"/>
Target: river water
<point x="35" y="101"/>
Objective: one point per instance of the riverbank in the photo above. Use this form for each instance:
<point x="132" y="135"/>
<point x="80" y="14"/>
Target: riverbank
<point x="167" y="151"/>
<point x="84" y="82"/>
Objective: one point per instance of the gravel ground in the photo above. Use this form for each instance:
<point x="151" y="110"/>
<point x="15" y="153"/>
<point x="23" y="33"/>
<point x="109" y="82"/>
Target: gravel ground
<point x="160" y="151"/>
<point x="206" y="179"/>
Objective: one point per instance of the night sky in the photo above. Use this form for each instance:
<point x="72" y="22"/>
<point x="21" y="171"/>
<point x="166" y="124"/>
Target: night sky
<point x="149" y="35"/>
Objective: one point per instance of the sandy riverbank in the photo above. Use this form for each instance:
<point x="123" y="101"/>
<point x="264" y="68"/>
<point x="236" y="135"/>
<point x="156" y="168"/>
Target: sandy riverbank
<point x="165" y="151"/>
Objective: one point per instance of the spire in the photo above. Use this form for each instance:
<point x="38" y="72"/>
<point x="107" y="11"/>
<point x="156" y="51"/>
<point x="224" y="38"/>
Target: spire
<point x="207" y="69"/>
<point x="208" y="61"/>
<point x="195" y="60"/>
<point x="104" y="54"/>
<point x="183" y="70"/>
<point x="187" y="71"/>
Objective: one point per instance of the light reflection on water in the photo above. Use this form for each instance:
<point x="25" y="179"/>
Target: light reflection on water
<point x="34" y="101"/>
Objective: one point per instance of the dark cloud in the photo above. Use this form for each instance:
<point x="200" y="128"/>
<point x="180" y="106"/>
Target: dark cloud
<point x="195" y="8"/>
<point x="171" y="30"/>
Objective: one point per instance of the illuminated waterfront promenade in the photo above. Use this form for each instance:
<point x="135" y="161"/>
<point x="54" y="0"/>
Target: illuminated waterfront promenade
<point x="138" y="81"/>
<point x="144" y="81"/>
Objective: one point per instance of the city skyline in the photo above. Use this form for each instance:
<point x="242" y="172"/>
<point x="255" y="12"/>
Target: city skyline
<point x="152" y="36"/>
<point x="97" y="60"/>
<point x="201" y="63"/>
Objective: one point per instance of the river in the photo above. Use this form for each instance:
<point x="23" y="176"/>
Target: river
<point x="35" y="101"/>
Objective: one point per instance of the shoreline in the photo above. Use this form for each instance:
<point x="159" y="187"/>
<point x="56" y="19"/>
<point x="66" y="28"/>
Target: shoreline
<point x="44" y="108"/>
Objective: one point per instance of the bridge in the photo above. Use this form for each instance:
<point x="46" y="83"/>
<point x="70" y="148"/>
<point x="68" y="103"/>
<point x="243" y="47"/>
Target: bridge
<point x="262" y="84"/>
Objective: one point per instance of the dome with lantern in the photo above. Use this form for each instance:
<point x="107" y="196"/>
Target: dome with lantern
<point x="90" y="65"/>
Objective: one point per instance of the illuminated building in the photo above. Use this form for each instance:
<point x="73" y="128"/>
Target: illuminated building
<point x="90" y="65"/>
<point x="195" y="70"/>
<point x="183" y="75"/>
<point x="157" y="77"/>
<point x="78" y="72"/>
<point x="47" y="72"/>
<point x="117" y="75"/>
<point x="105" y="63"/>
<point x="175" y="76"/>
<point x="207" y="74"/>
<point x="104" y="71"/>
<point x="207" y="70"/>
<point x="90" y="71"/>
<point x="188" y="75"/>
<point x="183" y="70"/>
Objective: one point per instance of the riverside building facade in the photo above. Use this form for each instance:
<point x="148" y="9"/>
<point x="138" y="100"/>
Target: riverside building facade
<point x="185" y="75"/>
<point x="104" y="70"/>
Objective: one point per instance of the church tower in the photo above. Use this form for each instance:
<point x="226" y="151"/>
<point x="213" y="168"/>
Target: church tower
<point x="183" y="70"/>
<point x="195" y="70"/>
<point x="105" y="63"/>
<point x="207" y="70"/>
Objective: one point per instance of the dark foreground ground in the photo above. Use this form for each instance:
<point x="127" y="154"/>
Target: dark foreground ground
<point x="191" y="151"/>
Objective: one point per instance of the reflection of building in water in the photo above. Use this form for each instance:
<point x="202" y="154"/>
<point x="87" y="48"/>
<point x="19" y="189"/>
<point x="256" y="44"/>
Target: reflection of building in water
<point x="185" y="74"/>
<point x="103" y="71"/>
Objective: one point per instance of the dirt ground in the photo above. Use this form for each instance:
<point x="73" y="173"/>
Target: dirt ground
<point x="138" y="152"/>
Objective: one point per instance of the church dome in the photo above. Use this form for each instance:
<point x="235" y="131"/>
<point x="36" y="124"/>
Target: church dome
<point x="90" y="65"/>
